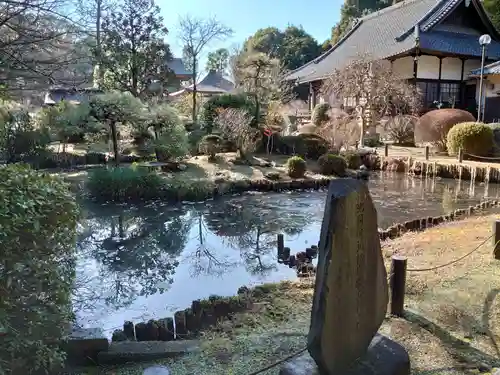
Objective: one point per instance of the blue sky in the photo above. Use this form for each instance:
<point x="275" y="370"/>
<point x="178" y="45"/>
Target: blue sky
<point x="246" y="16"/>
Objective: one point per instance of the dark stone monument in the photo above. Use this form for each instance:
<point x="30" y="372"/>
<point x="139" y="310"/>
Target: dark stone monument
<point x="351" y="293"/>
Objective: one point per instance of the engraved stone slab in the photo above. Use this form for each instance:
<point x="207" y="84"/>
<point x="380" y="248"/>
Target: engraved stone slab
<point x="351" y="291"/>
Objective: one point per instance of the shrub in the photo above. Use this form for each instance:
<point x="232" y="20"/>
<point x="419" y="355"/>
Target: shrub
<point x="296" y="167"/>
<point x="320" y="114"/>
<point x="210" y="145"/>
<point x="38" y="217"/>
<point x="473" y="138"/>
<point x="353" y="159"/>
<point x="434" y="126"/>
<point x="332" y="164"/>
<point x="401" y="130"/>
<point x="121" y="184"/>
<point x="236" y="101"/>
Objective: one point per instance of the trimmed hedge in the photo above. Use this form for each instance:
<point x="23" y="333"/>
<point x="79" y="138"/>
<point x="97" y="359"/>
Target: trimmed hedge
<point x="353" y="159"/>
<point x="120" y="184"/>
<point x="209" y="112"/>
<point x="296" y="167"/>
<point x="330" y="164"/>
<point x="38" y="217"/>
<point x="320" y="114"/>
<point x="433" y="127"/>
<point x="310" y="146"/>
<point x="472" y="137"/>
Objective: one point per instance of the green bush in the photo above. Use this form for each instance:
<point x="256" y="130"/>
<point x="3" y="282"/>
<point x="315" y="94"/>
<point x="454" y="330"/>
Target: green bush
<point x="120" y="184"/>
<point x="210" y="145"/>
<point x="320" y="114"/>
<point x="38" y="218"/>
<point x="307" y="145"/>
<point x="330" y="164"/>
<point x="472" y="137"/>
<point x="296" y="167"/>
<point x="237" y="101"/>
<point x="353" y="159"/>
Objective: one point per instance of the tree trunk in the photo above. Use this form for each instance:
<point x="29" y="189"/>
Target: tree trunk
<point x="194" y="90"/>
<point x="115" y="143"/>
<point x="100" y="72"/>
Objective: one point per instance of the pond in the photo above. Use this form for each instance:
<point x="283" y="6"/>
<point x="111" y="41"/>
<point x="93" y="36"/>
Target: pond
<point x="138" y="263"/>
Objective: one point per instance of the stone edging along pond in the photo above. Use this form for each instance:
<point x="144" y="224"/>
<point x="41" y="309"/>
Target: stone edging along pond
<point x="397" y="230"/>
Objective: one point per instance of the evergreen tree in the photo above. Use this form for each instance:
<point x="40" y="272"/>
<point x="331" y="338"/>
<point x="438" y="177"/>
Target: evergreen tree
<point x="493" y="9"/>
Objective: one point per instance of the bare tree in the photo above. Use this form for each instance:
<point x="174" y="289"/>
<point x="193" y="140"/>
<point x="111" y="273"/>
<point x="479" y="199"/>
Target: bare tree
<point x="372" y="89"/>
<point x="196" y="34"/>
<point x="40" y="45"/>
<point x="235" y="125"/>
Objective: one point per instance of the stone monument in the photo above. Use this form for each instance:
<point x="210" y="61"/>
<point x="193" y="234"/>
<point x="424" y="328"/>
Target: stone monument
<point x="351" y="293"/>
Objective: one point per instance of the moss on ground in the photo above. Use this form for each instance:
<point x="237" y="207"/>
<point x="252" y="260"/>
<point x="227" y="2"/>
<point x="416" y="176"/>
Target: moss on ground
<point x="451" y="328"/>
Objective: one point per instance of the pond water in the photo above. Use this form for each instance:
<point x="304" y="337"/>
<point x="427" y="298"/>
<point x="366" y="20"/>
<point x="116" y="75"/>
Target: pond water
<point x="138" y="263"/>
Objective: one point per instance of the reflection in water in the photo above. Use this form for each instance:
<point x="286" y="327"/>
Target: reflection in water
<point x="137" y="263"/>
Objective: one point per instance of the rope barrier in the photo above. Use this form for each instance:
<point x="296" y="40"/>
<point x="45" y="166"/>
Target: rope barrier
<point x="453" y="261"/>
<point x="260" y="371"/>
<point x="482" y="157"/>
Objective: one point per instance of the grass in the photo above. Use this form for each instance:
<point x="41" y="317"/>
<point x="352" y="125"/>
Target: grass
<point x="451" y="326"/>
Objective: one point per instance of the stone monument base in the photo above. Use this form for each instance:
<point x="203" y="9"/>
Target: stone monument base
<point x="384" y="357"/>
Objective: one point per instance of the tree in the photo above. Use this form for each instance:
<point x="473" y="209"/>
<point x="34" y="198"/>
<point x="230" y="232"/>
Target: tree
<point x="262" y="77"/>
<point x="170" y="135"/>
<point x="372" y="89"/>
<point x="235" y="125"/>
<point x="293" y="46"/>
<point x="218" y="60"/>
<point x="113" y="108"/>
<point x="493" y="9"/>
<point x="37" y="46"/>
<point x="134" y="53"/>
<point x="91" y="14"/>
<point x="196" y="34"/>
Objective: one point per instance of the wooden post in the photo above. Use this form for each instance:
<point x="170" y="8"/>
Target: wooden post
<point x="460" y="155"/>
<point x="426" y="152"/>
<point x="496" y="239"/>
<point x="281" y="245"/>
<point x="386" y="150"/>
<point x="397" y="284"/>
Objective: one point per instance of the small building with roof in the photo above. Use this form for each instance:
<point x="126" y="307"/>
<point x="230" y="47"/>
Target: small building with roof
<point x="431" y="43"/>
<point x="213" y="83"/>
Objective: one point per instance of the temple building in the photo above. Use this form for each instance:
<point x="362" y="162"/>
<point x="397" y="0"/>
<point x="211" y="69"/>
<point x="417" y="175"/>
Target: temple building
<point x="432" y="43"/>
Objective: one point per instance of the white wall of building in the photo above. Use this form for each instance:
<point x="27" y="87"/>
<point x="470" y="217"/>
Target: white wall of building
<point x="428" y="67"/>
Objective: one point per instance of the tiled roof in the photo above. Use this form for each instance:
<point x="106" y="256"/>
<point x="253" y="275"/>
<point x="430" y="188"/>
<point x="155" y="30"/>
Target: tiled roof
<point x="393" y="31"/>
<point x="493" y="68"/>
<point x="213" y="83"/>
<point x="457" y="43"/>
<point x="177" y="65"/>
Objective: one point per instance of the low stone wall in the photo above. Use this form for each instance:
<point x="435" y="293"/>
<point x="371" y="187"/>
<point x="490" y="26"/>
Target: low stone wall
<point x="190" y="322"/>
<point x="398" y="230"/>
<point x="479" y="173"/>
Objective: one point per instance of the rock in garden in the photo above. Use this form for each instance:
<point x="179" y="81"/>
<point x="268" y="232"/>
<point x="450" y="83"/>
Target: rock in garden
<point x="383" y="357"/>
<point x="351" y="292"/>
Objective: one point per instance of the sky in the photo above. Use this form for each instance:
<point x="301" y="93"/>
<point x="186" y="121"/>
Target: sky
<point x="247" y="16"/>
